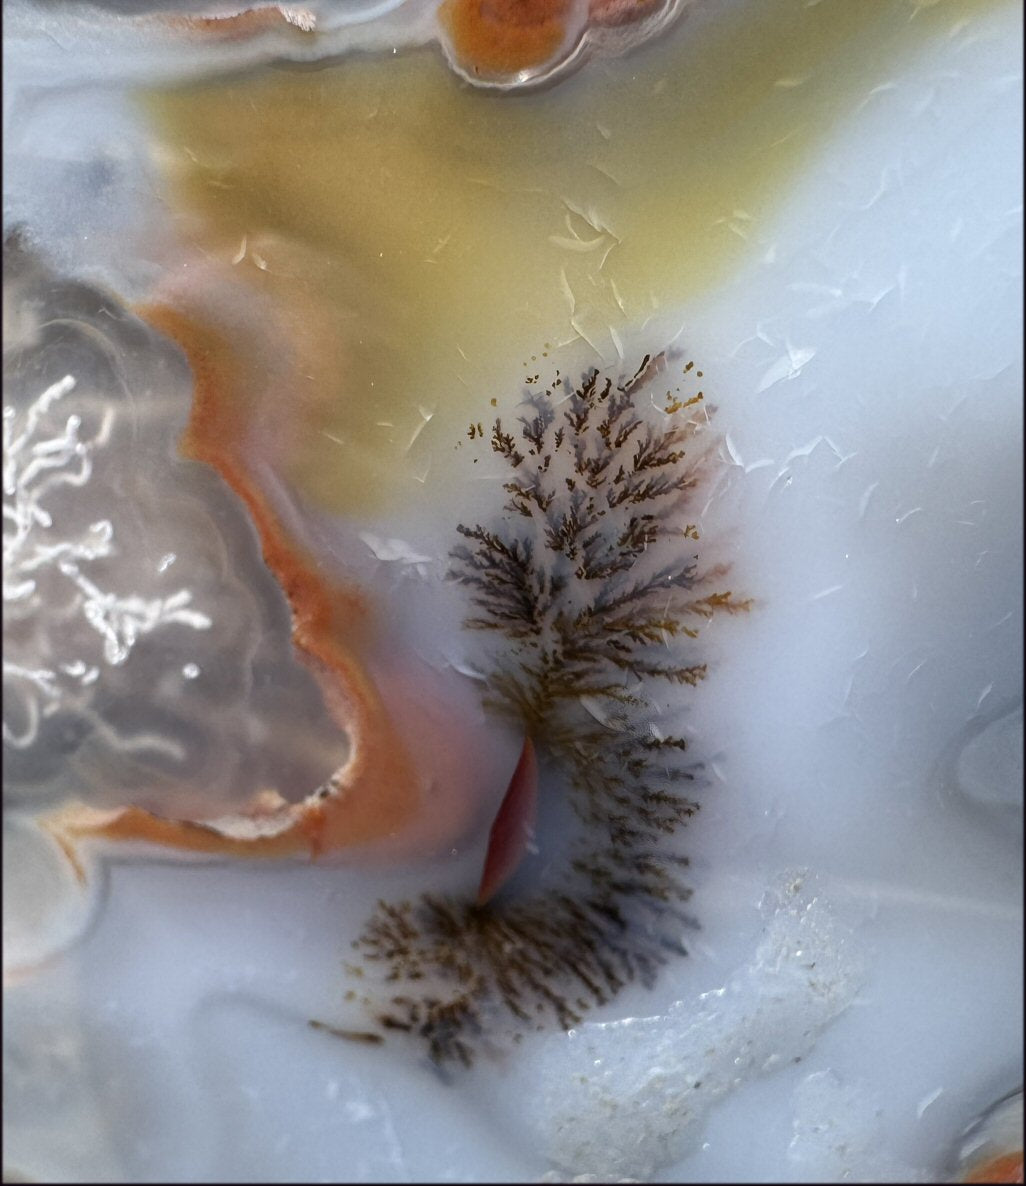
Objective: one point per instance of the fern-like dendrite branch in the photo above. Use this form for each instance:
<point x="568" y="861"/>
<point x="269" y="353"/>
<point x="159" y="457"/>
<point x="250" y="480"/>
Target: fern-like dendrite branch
<point x="589" y="591"/>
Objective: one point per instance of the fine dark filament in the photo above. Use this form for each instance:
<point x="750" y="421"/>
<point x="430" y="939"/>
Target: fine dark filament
<point x="591" y="593"/>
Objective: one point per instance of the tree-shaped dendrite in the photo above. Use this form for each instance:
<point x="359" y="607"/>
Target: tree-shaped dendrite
<point x="588" y="592"/>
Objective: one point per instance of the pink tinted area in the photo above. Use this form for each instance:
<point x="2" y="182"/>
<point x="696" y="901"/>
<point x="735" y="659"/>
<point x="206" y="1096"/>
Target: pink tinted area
<point x="513" y="828"/>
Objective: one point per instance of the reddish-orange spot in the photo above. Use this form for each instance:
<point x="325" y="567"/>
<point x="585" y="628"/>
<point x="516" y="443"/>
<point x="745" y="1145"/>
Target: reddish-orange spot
<point x="513" y="827"/>
<point x="1007" y="1168"/>
<point x="505" y="36"/>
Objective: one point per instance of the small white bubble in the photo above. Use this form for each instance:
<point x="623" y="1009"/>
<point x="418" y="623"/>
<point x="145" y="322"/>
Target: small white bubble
<point x="166" y="561"/>
<point x="190" y="671"/>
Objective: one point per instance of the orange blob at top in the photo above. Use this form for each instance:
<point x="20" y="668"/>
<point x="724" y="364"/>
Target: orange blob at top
<point x="505" y="36"/>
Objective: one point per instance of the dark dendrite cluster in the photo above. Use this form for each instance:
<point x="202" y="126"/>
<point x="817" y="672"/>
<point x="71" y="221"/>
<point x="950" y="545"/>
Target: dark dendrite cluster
<point x="592" y="593"/>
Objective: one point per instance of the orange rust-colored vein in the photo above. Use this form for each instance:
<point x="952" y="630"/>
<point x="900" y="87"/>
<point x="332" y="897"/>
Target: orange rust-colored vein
<point x="216" y="427"/>
<point x="376" y="793"/>
<point x="247" y="22"/>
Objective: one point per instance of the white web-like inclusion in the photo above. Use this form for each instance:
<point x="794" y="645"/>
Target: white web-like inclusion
<point x="35" y="467"/>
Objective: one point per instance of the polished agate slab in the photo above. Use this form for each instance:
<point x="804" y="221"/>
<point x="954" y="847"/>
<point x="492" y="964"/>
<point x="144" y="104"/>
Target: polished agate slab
<point x="513" y="589"/>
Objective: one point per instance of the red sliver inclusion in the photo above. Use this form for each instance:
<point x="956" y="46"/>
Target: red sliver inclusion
<point x="513" y="828"/>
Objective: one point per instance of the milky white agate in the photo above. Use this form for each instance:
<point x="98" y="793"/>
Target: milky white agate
<point x="237" y="321"/>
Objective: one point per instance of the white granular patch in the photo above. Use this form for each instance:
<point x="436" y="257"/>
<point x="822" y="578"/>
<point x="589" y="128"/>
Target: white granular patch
<point x="625" y="1098"/>
<point x="838" y="1135"/>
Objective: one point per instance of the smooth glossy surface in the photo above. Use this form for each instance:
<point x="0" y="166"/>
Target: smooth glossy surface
<point x="819" y="205"/>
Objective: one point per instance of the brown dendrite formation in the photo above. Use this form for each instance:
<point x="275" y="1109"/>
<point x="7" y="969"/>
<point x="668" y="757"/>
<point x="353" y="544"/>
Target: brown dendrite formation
<point x="589" y="594"/>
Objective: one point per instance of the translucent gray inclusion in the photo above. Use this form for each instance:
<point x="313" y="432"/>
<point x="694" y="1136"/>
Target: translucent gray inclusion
<point x="147" y="649"/>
